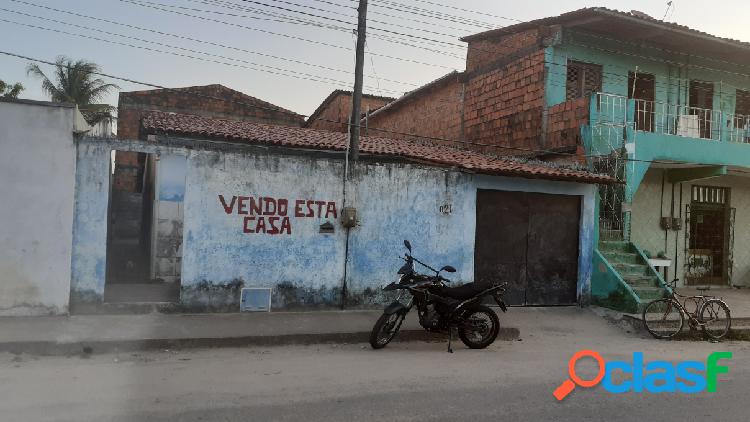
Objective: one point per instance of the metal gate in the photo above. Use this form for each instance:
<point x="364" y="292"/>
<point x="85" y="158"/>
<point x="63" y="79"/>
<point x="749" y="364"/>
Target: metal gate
<point x="531" y="241"/>
<point x="709" y="244"/>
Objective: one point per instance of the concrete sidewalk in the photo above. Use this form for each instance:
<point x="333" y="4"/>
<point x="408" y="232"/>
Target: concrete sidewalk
<point x="108" y="333"/>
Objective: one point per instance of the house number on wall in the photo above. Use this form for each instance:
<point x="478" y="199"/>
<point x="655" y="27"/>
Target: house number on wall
<point x="446" y="209"/>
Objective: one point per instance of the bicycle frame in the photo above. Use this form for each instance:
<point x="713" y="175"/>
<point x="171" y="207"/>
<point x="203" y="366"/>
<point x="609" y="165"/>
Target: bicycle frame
<point x="694" y="320"/>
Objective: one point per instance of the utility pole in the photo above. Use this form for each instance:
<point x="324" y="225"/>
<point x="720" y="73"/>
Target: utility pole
<point x="358" y="69"/>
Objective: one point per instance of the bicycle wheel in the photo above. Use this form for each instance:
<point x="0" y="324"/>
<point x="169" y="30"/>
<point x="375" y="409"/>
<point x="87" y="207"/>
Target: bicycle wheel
<point x="663" y="318"/>
<point x="715" y="318"/>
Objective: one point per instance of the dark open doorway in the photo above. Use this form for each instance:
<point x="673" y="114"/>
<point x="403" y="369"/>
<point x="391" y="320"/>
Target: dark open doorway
<point x="701" y="105"/>
<point x="642" y="88"/>
<point x="144" y="234"/>
<point x="709" y="236"/>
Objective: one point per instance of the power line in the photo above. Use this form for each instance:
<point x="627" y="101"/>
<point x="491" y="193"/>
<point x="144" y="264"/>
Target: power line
<point x="111" y="22"/>
<point x="249" y="28"/>
<point x="387" y="31"/>
<point x="343" y="14"/>
<point x="309" y="77"/>
<point x="400" y="7"/>
<point x="465" y="10"/>
<point x="410" y="19"/>
<point x="287" y="2"/>
<point x="182" y="90"/>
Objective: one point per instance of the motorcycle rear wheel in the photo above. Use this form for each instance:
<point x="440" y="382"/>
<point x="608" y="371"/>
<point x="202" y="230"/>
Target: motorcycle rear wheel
<point x="479" y="328"/>
<point x="385" y="329"/>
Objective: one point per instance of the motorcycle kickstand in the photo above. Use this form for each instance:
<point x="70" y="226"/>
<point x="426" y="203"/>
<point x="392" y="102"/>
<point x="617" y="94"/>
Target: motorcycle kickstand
<point x="450" y="337"/>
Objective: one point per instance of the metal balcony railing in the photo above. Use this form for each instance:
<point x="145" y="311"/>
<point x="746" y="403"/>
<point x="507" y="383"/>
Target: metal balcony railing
<point x="612" y="110"/>
<point x="679" y="120"/>
<point x="738" y="127"/>
<point x="660" y="117"/>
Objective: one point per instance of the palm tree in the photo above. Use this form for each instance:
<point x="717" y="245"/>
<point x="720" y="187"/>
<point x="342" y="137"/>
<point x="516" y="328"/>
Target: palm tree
<point x="10" y="91"/>
<point x="76" y="82"/>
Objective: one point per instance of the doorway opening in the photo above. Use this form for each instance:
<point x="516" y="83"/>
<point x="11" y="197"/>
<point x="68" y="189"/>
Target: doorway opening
<point x="701" y="106"/>
<point x="709" y="236"/>
<point x="144" y="228"/>
<point x="530" y="240"/>
<point x="642" y="88"/>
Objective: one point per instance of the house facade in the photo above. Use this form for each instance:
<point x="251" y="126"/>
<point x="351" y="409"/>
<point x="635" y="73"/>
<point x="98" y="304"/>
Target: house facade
<point x="251" y="209"/>
<point x="659" y="106"/>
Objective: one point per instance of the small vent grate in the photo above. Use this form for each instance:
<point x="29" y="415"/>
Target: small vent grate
<point x="710" y="195"/>
<point x="255" y="299"/>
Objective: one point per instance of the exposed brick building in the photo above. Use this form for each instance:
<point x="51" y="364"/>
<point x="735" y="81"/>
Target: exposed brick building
<point x="497" y="105"/>
<point x="333" y="113"/>
<point x="433" y="110"/>
<point x="209" y="100"/>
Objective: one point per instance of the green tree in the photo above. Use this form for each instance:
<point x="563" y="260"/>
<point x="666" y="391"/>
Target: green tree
<point x="10" y="91"/>
<point x="76" y="82"/>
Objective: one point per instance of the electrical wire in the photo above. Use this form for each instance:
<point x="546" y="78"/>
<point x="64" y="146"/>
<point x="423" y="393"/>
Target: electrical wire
<point x="111" y="22"/>
<point x="249" y="65"/>
<point x="182" y="90"/>
<point x="249" y="28"/>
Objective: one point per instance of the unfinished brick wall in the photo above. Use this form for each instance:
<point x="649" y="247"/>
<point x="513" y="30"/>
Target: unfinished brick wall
<point x="210" y="101"/>
<point x="334" y="115"/>
<point x="504" y="106"/>
<point x="482" y="52"/>
<point x="564" y="123"/>
<point x="436" y="113"/>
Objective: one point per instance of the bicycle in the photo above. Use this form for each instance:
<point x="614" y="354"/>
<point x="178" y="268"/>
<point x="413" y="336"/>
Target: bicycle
<point x="665" y="317"/>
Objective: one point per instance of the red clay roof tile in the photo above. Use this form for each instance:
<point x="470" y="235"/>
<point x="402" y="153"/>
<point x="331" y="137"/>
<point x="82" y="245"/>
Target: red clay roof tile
<point x="295" y="137"/>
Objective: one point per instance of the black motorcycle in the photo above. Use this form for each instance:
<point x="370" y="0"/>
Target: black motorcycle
<point x="440" y="308"/>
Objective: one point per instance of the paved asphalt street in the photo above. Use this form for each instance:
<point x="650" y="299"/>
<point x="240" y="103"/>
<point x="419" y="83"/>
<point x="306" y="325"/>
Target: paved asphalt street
<point x="510" y="381"/>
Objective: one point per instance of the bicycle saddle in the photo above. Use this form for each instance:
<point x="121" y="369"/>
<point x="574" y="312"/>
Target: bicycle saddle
<point x="703" y="289"/>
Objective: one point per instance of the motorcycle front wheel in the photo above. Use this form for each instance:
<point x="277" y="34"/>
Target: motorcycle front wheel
<point x="479" y="328"/>
<point x="385" y="329"/>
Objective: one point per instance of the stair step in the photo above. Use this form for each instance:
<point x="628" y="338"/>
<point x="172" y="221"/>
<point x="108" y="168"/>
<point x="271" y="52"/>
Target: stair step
<point x="614" y="246"/>
<point x="641" y="280"/>
<point x="632" y="269"/>
<point x="610" y="234"/>
<point x="623" y="257"/>
<point x="649" y="293"/>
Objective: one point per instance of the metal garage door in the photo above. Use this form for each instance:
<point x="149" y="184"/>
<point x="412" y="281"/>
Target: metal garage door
<point x="531" y="241"/>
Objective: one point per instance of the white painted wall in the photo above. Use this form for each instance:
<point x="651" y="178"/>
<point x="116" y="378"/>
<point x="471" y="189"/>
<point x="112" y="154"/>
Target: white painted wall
<point x="647" y="234"/>
<point x="37" y="170"/>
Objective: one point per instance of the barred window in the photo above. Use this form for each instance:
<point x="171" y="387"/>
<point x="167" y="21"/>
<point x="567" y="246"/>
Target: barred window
<point x="583" y="80"/>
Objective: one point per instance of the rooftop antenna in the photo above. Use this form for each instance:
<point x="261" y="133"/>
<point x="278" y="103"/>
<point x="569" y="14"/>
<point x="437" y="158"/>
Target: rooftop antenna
<point x="669" y="5"/>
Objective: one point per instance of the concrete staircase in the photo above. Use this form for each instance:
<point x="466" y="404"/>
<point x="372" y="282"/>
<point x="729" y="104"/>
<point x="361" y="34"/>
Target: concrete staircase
<point x="634" y="270"/>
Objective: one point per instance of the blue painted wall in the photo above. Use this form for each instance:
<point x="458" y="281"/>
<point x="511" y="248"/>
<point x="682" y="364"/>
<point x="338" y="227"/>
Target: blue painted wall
<point x="88" y="263"/>
<point x="306" y="267"/>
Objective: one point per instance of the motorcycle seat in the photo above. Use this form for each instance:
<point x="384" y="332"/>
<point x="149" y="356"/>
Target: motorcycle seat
<point x="463" y="292"/>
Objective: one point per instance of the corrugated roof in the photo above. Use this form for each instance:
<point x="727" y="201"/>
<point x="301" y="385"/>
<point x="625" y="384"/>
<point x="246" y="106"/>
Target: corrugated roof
<point x="304" y="138"/>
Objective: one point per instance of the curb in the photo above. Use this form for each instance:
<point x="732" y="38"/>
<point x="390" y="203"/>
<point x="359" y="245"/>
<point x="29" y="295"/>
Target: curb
<point x="86" y="347"/>
<point x="741" y="332"/>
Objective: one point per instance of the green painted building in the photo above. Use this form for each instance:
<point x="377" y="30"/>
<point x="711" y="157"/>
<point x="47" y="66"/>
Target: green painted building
<point x="669" y="115"/>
